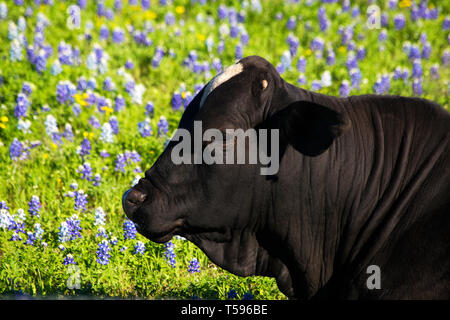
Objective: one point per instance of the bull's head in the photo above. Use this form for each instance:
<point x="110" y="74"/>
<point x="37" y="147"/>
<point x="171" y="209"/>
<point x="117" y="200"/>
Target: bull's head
<point x="223" y="208"/>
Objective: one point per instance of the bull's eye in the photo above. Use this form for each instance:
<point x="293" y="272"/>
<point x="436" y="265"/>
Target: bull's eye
<point x="264" y="84"/>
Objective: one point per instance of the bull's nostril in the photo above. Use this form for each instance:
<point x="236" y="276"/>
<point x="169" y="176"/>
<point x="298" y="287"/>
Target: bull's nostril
<point x="136" y="197"/>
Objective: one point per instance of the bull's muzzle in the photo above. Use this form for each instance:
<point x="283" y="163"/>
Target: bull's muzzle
<point x="131" y="200"/>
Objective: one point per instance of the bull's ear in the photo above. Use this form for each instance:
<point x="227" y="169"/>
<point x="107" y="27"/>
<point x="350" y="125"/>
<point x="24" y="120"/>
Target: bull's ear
<point x="309" y="127"/>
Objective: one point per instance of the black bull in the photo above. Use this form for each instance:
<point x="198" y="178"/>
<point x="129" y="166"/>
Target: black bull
<point x="363" y="181"/>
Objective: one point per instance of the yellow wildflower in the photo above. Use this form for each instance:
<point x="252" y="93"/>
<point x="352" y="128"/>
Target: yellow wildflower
<point x="201" y="37"/>
<point x="88" y="135"/>
<point x="180" y="9"/>
<point x="4" y="119"/>
<point x="150" y="15"/>
<point x="308" y="52"/>
<point x="107" y="110"/>
<point x="404" y="4"/>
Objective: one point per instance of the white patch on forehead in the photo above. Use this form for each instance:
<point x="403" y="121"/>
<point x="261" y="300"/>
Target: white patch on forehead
<point x="222" y="77"/>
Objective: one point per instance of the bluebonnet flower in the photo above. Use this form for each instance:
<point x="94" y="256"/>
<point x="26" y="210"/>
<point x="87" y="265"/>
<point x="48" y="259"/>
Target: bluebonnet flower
<point x="104" y="154"/>
<point x="194" y="266"/>
<point x="34" y="206"/>
<point x="85" y="148"/>
<point x="417" y="87"/>
<point x="346" y="34"/>
<point x="108" y="84"/>
<point x="129" y="229"/>
<point x="286" y="60"/>
<point x="239" y="51"/>
<point x="30" y="238"/>
<point x="417" y="69"/>
<point x="323" y="20"/>
<point x="291" y="23"/>
<point x="38" y="231"/>
<point x="86" y="171"/>
<point x="414" y="52"/>
<point x="355" y="11"/>
<point x="325" y="79"/>
<point x="317" y="44"/>
<point x="18" y="228"/>
<point x="22" y="104"/>
<point x="107" y="133"/>
<point x="220" y="47"/>
<point x="234" y="31"/>
<point x="68" y="260"/>
<point x="139" y="248"/>
<point x="101" y="232"/>
<point x="149" y="109"/>
<point x="316" y="85"/>
<point x="100" y="216"/>
<point x="446" y="24"/>
<point x="70" y="229"/>
<point x="446" y="57"/>
<point x="145" y="128"/>
<point x="40" y="61"/>
<point x="245" y="38"/>
<point x="426" y="50"/>
<point x="97" y="180"/>
<point x="27" y="88"/>
<point x="301" y="80"/>
<point x="15" y="149"/>
<point x="399" y="21"/>
<point x="114" y="123"/>
<point x="381" y="85"/>
<point x="344" y="89"/>
<point x="163" y="126"/>
<point x="80" y="200"/>
<point x="65" y="91"/>
<point x="232" y="294"/>
<point x="4" y="205"/>
<point x="137" y="93"/>
<point x="169" y="18"/>
<point x="248" y="296"/>
<point x="97" y="60"/>
<point x="120" y="163"/>
<point x="355" y="76"/>
<point x="3" y="11"/>
<point x="361" y="53"/>
<point x="119" y="103"/>
<point x="103" y="254"/>
<point x="55" y="68"/>
<point x="68" y="132"/>
<point x="129" y="64"/>
<point x="15" y="51"/>
<point x="157" y="57"/>
<point x="51" y="126"/>
<point x="170" y="253"/>
<point x="104" y="32"/>
<point x="331" y="57"/>
<point x="434" y="71"/>
<point x="222" y="12"/>
<point x="176" y="101"/>
<point x="21" y="216"/>
<point x="383" y="35"/>
<point x="301" y="64"/>
<point x="5" y="219"/>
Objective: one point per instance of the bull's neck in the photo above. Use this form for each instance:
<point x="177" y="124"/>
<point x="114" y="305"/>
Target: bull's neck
<point x="313" y="202"/>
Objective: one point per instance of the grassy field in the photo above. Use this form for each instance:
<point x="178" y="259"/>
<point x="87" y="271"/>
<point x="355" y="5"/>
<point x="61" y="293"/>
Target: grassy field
<point x="85" y="93"/>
